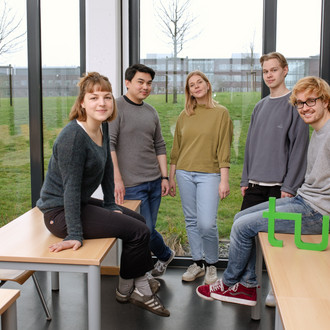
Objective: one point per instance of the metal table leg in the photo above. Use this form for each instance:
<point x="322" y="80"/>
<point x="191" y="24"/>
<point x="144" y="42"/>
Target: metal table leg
<point x="94" y="298"/>
<point x="256" y="310"/>
<point x="9" y="318"/>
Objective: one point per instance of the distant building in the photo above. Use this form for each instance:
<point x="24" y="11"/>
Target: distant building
<point x="237" y="74"/>
<point x="56" y="81"/>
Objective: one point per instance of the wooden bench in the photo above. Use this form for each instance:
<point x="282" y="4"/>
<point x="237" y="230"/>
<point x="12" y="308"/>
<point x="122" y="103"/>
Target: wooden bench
<point x="8" y="310"/>
<point x="300" y="281"/>
<point x="25" y="245"/>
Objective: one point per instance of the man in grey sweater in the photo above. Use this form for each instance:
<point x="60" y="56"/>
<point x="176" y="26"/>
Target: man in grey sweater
<point x="139" y="156"/>
<point x="311" y="97"/>
<point x="277" y="141"/>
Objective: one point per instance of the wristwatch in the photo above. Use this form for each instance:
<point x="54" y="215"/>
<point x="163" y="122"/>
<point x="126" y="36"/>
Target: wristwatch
<point x="165" y="178"/>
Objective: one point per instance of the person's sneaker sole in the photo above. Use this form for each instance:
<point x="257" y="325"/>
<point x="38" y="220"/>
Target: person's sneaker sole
<point x="235" y="300"/>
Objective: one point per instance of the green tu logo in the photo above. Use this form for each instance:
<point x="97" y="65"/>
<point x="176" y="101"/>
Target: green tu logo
<point x="272" y="215"/>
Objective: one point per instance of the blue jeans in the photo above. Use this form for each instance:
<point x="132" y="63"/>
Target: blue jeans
<point x="150" y="194"/>
<point x="199" y="194"/>
<point x="247" y="224"/>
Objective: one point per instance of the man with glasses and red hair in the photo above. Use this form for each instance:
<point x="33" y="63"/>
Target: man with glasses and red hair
<point x="311" y="98"/>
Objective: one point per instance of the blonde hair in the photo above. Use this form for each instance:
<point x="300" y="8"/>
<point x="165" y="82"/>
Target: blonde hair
<point x="190" y="101"/>
<point x="311" y="85"/>
<point x="89" y="83"/>
<point x="274" y="55"/>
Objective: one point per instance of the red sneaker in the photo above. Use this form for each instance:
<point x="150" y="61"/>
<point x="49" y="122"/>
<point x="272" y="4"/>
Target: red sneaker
<point x="205" y="291"/>
<point x="238" y="294"/>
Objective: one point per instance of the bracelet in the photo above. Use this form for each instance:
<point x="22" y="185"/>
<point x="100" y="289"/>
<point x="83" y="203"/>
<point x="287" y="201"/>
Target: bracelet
<point x="165" y="178"/>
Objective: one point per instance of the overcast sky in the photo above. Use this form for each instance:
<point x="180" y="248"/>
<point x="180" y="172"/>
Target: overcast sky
<point x="227" y="27"/>
<point x="60" y="33"/>
<point x="221" y="29"/>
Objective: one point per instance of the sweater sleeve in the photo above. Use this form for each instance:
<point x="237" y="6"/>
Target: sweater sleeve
<point x="108" y="180"/>
<point x="297" y="159"/>
<point x="176" y="143"/>
<point x="70" y="154"/>
<point x="245" y="172"/>
<point x="225" y="139"/>
<point x="114" y="132"/>
<point x="159" y="142"/>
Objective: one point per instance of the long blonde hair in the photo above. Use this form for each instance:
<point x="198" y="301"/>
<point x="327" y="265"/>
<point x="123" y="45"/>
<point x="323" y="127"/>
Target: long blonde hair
<point x="190" y="101"/>
<point x="91" y="82"/>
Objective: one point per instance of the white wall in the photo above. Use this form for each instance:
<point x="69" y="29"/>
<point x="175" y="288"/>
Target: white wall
<point x="104" y="39"/>
<point x="106" y="36"/>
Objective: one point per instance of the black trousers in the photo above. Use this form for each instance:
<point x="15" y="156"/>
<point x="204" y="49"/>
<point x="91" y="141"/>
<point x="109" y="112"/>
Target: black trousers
<point x="98" y="222"/>
<point x="256" y="194"/>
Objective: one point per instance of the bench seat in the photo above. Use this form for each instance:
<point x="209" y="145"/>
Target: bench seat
<point x="8" y="309"/>
<point x="300" y="281"/>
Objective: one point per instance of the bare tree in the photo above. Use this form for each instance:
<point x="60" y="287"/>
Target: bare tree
<point x="251" y="59"/>
<point x="176" y="21"/>
<point x="11" y="37"/>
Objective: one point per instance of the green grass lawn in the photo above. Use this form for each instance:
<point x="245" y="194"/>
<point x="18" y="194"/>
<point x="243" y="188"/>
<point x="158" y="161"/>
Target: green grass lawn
<point x="15" y="183"/>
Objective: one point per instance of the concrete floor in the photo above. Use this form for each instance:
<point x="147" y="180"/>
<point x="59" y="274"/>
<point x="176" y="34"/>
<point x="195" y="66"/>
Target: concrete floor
<point x="188" y="311"/>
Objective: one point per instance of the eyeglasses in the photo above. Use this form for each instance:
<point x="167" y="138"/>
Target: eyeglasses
<point x="309" y="103"/>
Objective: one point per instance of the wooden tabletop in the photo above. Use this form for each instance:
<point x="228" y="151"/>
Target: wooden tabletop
<point x="301" y="281"/>
<point x="26" y="239"/>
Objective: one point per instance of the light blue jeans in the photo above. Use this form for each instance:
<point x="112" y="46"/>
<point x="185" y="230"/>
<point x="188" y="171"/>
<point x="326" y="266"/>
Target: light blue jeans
<point x="247" y="224"/>
<point x="199" y="194"/>
<point x="150" y="194"/>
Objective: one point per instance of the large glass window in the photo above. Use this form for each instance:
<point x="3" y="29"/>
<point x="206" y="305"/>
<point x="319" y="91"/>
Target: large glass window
<point x="60" y="65"/>
<point x="223" y="41"/>
<point x="299" y="42"/>
<point x="15" y="186"/>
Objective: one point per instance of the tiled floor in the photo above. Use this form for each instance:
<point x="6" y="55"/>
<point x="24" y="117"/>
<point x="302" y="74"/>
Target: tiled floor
<point x="188" y="311"/>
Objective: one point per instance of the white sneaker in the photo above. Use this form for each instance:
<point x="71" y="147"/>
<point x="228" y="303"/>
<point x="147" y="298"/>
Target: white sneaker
<point x="270" y="299"/>
<point x="160" y="266"/>
<point x="211" y="275"/>
<point x="193" y="272"/>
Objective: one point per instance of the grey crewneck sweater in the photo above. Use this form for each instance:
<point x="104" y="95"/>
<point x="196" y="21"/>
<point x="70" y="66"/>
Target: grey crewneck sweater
<point x="276" y="145"/>
<point x="76" y="168"/>
<point x="136" y="137"/>
<point x="316" y="188"/>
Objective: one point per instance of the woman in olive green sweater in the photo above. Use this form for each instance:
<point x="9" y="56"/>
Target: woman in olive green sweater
<point x="200" y="159"/>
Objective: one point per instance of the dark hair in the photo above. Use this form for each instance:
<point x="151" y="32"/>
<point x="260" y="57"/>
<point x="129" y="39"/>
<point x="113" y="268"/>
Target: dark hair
<point x="133" y="69"/>
<point x="90" y="82"/>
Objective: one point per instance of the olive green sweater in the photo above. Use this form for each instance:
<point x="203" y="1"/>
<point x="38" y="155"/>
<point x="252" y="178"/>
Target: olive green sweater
<point x="202" y="141"/>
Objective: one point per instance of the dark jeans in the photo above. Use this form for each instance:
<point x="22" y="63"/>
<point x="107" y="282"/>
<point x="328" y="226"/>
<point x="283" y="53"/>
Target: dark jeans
<point x="99" y="222"/>
<point x="256" y="194"/>
<point x="150" y="194"/>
